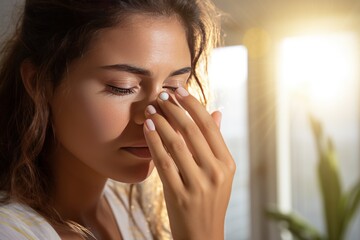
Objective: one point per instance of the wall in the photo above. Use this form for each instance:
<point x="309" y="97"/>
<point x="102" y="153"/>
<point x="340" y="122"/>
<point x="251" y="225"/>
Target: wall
<point x="8" y="16"/>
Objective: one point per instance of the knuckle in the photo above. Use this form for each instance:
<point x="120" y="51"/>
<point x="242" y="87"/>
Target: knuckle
<point x="177" y="146"/>
<point x="232" y="166"/>
<point x="190" y="129"/>
<point x="204" y="188"/>
<point x="201" y="187"/>
<point x="208" y="124"/>
<point x="165" y="164"/>
<point x="218" y="178"/>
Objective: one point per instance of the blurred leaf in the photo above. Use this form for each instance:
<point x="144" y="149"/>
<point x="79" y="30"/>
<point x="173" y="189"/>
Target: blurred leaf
<point x="354" y="199"/>
<point x="351" y="203"/>
<point x="317" y="131"/>
<point x="298" y="227"/>
<point x="330" y="186"/>
<point x="329" y="181"/>
<point x="339" y="208"/>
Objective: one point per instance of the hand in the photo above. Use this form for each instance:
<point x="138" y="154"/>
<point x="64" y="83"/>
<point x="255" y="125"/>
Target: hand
<point x="196" y="168"/>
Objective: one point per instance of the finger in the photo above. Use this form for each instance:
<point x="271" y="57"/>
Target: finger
<point x="191" y="133"/>
<point x="205" y="122"/>
<point x="217" y="116"/>
<point x="175" y="146"/>
<point x="164" y="164"/>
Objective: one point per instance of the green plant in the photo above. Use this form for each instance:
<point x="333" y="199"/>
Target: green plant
<point x="339" y="207"/>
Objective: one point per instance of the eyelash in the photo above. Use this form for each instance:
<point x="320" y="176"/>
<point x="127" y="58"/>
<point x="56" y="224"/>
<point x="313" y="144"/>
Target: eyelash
<point x="120" y="91"/>
<point x="127" y="91"/>
<point x="173" y="89"/>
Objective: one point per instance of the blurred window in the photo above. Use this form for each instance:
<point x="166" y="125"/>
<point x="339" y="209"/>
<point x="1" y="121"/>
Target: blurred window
<point x="318" y="75"/>
<point x="228" y="84"/>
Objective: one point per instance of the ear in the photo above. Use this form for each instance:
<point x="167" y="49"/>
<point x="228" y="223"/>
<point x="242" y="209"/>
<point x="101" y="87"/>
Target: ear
<point x="28" y="71"/>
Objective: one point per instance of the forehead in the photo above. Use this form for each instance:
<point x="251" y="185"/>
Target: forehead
<point x="143" y="37"/>
<point x="149" y="19"/>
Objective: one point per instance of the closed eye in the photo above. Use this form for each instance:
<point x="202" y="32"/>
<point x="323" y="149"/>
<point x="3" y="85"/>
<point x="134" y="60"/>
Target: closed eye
<point x="173" y="89"/>
<point x="120" y="91"/>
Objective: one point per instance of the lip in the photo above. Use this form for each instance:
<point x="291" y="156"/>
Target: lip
<point x="139" y="151"/>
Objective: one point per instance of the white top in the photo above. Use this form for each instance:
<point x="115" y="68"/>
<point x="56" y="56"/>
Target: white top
<point x="18" y="221"/>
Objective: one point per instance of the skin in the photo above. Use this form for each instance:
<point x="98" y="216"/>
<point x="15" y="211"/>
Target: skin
<point x="96" y="124"/>
<point x="203" y="154"/>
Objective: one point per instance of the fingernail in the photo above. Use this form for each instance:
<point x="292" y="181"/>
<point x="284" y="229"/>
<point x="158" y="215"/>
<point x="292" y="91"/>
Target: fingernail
<point x="164" y="96"/>
<point x="150" y="124"/>
<point x="150" y="109"/>
<point x="182" y="91"/>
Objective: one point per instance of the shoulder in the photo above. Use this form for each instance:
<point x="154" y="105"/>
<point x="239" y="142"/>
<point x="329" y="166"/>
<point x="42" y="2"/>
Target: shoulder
<point x="18" y="221"/>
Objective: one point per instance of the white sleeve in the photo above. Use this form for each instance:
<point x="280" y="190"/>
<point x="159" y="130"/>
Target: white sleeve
<point x="22" y="223"/>
<point x="10" y="231"/>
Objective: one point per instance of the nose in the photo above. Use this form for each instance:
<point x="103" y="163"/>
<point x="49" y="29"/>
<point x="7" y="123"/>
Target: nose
<point x="148" y="99"/>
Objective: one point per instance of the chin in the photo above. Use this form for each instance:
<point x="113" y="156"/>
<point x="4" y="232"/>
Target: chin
<point x="136" y="174"/>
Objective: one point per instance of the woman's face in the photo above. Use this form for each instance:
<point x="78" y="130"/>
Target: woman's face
<point x="98" y="110"/>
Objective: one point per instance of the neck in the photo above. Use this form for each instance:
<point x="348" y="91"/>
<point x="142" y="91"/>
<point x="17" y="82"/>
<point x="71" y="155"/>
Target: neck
<point x="78" y="190"/>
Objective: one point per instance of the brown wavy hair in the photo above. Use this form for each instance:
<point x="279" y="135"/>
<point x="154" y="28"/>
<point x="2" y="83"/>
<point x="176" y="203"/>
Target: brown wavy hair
<point x="51" y="34"/>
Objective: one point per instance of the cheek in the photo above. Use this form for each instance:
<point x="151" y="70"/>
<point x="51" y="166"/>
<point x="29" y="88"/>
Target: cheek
<point x="90" y="120"/>
<point x="106" y="117"/>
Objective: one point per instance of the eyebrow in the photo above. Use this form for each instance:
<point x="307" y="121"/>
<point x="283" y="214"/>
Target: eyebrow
<point x="141" y="71"/>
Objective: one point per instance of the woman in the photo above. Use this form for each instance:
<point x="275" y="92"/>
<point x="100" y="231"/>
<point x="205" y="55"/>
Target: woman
<point x="93" y="95"/>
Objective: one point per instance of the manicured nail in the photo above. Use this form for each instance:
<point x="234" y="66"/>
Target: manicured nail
<point x="150" y="124"/>
<point x="182" y="91"/>
<point x="164" y="96"/>
<point x="150" y="109"/>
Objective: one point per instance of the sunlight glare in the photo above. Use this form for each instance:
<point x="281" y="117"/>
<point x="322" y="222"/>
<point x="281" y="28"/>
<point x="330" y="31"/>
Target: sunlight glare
<point x="318" y="66"/>
<point x="319" y="71"/>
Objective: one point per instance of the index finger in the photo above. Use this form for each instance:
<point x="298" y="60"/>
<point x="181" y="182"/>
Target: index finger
<point x="204" y="121"/>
